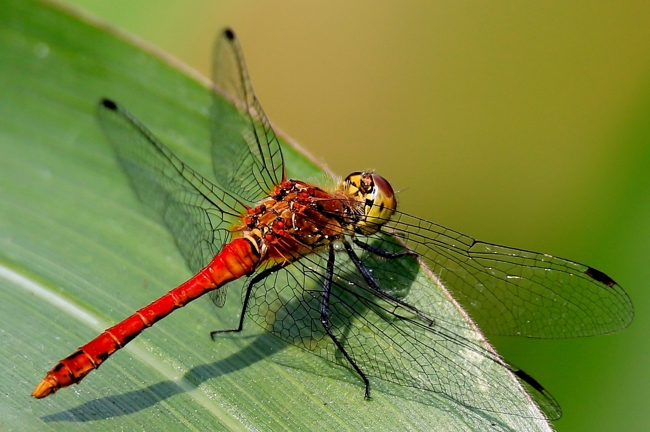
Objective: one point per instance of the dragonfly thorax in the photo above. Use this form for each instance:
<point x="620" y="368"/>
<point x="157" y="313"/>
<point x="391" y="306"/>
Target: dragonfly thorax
<point x="298" y="218"/>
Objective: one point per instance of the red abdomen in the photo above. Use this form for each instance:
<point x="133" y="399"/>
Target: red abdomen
<point x="238" y="258"/>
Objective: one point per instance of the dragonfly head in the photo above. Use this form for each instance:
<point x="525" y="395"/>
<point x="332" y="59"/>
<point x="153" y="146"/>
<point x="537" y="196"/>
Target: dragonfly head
<point x="378" y="198"/>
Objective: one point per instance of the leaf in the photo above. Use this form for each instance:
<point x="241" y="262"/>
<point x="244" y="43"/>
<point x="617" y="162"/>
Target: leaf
<point x="78" y="252"/>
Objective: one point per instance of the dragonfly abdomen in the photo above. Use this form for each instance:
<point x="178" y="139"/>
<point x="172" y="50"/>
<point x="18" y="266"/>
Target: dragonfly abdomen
<point x="238" y="258"/>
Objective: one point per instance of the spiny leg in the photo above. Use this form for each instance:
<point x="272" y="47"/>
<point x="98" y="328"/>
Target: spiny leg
<point x="325" y="318"/>
<point x="262" y="275"/>
<point x="372" y="283"/>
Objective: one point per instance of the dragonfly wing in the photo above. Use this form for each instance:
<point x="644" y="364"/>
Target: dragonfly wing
<point x="428" y="306"/>
<point x="246" y="154"/>
<point x="386" y="339"/>
<point x="515" y="292"/>
<point x="197" y="212"/>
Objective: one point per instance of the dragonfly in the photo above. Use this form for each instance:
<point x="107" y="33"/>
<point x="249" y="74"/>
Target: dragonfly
<point x="340" y="271"/>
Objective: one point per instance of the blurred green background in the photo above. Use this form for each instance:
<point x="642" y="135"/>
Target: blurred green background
<point x="519" y="123"/>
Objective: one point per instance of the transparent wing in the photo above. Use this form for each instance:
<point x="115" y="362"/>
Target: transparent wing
<point x="246" y="154"/>
<point x="389" y="340"/>
<point x="197" y="212"/>
<point x="510" y="291"/>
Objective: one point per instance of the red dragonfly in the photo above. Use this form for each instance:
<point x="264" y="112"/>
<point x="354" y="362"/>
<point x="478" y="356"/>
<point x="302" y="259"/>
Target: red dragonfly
<point x="341" y="272"/>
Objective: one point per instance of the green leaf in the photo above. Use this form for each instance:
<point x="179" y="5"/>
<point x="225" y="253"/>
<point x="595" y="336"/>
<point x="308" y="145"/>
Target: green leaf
<point x="78" y="253"/>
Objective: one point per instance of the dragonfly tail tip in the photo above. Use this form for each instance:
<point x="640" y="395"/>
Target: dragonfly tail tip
<point x="45" y="388"/>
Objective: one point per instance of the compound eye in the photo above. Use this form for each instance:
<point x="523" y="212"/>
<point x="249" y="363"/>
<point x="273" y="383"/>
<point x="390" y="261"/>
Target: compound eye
<point x="377" y="196"/>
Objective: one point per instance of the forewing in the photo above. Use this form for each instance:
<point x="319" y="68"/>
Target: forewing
<point x="246" y="154"/>
<point x="510" y="291"/>
<point x="197" y="212"/>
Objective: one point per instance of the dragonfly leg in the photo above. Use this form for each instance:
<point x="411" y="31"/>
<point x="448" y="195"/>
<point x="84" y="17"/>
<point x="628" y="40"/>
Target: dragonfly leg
<point x="382" y="252"/>
<point x="325" y="319"/>
<point x="372" y="283"/>
<point x="247" y="297"/>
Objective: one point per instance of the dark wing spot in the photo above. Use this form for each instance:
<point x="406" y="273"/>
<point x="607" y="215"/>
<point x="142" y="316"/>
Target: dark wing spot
<point x="229" y="34"/>
<point x="600" y="276"/>
<point x="109" y="104"/>
<point x="528" y="380"/>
